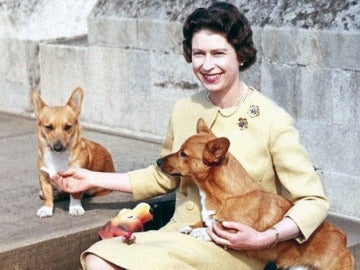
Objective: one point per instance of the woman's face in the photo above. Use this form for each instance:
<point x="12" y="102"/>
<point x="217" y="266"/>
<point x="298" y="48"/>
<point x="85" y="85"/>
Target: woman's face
<point x="214" y="61"/>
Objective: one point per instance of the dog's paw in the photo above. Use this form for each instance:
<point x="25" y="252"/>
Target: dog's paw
<point x="45" y="211"/>
<point x="185" y="230"/>
<point x="75" y="207"/>
<point x="201" y="234"/>
<point x="76" y="210"/>
<point x="198" y="233"/>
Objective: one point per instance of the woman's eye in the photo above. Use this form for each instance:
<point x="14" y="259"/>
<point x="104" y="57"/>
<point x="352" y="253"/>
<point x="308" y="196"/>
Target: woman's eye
<point x="197" y="53"/>
<point x="183" y="154"/>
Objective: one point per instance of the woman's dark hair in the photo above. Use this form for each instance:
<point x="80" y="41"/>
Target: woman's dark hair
<point x="226" y="19"/>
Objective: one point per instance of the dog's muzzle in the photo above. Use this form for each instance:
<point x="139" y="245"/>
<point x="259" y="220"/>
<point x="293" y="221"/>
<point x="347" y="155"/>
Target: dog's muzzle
<point x="58" y="147"/>
<point x="159" y="162"/>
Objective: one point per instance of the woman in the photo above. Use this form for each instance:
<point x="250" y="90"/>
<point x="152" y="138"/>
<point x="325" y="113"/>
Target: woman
<point x="218" y="43"/>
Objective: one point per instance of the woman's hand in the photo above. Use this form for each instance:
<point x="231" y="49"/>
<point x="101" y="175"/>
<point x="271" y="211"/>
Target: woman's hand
<point x="74" y="180"/>
<point x="238" y="236"/>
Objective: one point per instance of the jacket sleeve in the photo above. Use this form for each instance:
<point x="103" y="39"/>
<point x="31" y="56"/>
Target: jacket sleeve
<point x="296" y="173"/>
<point x="151" y="181"/>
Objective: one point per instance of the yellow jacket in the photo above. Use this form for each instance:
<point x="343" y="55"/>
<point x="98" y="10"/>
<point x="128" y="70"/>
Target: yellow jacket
<point x="268" y="148"/>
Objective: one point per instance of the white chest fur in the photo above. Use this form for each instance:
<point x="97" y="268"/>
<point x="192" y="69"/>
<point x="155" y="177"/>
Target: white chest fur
<point x="55" y="161"/>
<point x="206" y="214"/>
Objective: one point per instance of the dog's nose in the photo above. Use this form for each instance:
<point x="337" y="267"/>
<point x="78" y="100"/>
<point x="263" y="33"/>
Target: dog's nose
<point x="58" y="146"/>
<point x="159" y="162"/>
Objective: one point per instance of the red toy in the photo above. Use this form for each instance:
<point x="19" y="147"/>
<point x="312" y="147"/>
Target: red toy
<point x="127" y="222"/>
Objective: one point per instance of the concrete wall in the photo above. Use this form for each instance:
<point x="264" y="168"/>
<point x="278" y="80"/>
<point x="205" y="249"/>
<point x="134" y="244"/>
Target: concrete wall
<point x="23" y="26"/>
<point x="131" y="68"/>
<point x="315" y="76"/>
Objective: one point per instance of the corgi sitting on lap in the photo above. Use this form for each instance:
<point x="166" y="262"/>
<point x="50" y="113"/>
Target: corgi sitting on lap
<point x="229" y="193"/>
<point x="61" y="147"/>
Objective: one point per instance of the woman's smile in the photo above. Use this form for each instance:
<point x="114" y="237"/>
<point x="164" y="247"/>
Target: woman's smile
<point x="211" y="78"/>
<point x="215" y="64"/>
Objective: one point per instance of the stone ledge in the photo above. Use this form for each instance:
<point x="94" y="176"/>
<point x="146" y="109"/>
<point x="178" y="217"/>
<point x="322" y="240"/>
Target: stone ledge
<point x="63" y="252"/>
<point x="56" y="254"/>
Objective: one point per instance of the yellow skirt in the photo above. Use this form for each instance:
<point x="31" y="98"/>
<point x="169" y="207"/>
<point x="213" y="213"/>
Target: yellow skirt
<point x="169" y="250"/>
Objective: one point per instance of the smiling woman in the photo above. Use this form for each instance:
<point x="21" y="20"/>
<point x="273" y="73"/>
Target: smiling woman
<point x="215" y="64"/>
<point x="218" y="43"/>
<point x="218" y="49"/>
<point x="233" y="26"/>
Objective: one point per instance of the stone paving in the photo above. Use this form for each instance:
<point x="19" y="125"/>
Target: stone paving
<point x="26" y="241"/>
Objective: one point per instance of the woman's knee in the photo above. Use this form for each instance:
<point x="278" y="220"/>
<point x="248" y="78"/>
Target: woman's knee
<point x="94" y="262"/>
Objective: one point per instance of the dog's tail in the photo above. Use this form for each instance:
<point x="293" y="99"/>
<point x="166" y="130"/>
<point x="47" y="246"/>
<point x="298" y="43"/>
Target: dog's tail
<point x="273" y="266"/>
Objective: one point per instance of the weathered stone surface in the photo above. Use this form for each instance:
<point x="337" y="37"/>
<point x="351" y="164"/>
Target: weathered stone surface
<point x="328" y="49"/>
<point x="306" y="14"/>
<point x="44" y="19"/>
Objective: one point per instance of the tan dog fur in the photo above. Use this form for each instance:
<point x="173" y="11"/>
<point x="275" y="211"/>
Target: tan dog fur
<point x="233" y="195"/>
<point x="61" y="146"/>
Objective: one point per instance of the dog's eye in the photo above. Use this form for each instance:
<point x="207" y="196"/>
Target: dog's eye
<point x="67" y="127"/>
<point x="49" y="127"/>
<point x="183" y="154"/>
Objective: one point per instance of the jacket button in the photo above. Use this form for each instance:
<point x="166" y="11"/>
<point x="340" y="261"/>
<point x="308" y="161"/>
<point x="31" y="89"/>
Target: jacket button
<point x="190" y="205"/>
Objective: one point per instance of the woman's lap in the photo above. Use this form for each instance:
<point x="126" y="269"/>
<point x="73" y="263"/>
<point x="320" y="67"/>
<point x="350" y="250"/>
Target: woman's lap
<point x="169" y="250"/>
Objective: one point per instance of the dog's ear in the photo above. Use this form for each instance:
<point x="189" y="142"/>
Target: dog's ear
<point x="75" y="100"/>
<point x="215" y="150"/>
<point x="37" y="102"/>
<point x="202" y="127"/>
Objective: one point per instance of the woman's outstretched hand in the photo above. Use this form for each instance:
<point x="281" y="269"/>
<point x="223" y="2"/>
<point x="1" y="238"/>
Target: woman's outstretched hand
<point x="74" y="180"/>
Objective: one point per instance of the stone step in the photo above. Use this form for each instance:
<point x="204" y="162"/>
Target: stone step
<point x="29" y="242"/>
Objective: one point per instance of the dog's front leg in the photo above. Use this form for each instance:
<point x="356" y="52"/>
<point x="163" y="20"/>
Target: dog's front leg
<point x="75" y="207"/>
<point x="47" y="209"/>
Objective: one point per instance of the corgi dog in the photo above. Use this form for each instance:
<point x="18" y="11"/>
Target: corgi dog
<point x="227" y="192"/>
<point x="61" y="146"/>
